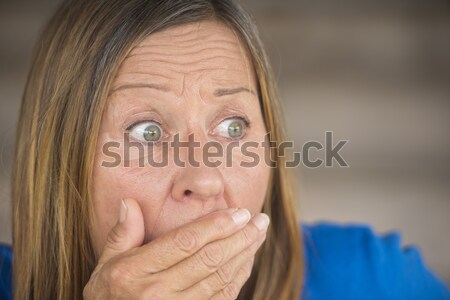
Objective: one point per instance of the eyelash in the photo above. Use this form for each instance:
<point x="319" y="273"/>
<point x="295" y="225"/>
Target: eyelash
<point x="243" y="119"/>
<point x="246" y="122"/>
<point x="140" y="122"/>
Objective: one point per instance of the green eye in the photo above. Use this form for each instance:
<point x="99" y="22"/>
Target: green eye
<point x="235" y="129"/>
<point x="146" y="132"/>
<point x="232" y="128"/>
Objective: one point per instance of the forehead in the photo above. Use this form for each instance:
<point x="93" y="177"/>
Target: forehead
<point x="201" y="51"/>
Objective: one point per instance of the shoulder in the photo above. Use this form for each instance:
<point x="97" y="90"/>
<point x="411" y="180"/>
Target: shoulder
<point x="350" y="261"/>
<point x="5" y="272"/>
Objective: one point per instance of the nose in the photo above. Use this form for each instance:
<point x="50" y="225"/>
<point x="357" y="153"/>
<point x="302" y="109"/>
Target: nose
<point x="200" y="182"/>
<point x="203" y="183"/>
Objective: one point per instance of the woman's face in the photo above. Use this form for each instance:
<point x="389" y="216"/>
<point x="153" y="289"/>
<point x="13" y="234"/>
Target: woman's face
<point x="195" y="79"/>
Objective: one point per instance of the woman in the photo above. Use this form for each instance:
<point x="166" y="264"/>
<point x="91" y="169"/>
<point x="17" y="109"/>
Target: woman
<point x="97" y="216"/>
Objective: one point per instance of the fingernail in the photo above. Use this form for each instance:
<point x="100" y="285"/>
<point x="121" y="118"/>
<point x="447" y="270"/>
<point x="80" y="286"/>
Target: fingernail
<point x="261" y="221"/>
<point x="123" y="211"/>
<point x="241" y="216"/>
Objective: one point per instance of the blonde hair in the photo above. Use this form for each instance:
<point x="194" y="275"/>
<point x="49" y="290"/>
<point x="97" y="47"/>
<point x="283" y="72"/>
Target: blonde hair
<point x="74" y="64"/>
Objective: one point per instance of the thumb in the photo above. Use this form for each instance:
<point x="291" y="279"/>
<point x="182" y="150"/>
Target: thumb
<point x="128" y="232"/>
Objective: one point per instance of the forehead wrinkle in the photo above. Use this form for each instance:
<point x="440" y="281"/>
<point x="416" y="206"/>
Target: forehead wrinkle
<point x="146" y="73"/>
<point x="191" y="33"/>
<point x="188" y="34"/>
<point x="193" y="44"/>
<point x="123" y="77"/>
<point x="181" y="52"/>
<point x="147" y="58"/>
<point x="187" y="57"/>
<point x="186" y="63"/>
<point x="237" y="41"/>
<point x="244" y="54"/>
<point x="198" y="48"/>
<point x="146" y="65"/>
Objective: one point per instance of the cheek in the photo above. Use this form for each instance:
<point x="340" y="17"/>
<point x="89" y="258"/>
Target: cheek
<point x="148" y="186"/>
<point x="249" y="176"/>
<point x="248" y="186"/>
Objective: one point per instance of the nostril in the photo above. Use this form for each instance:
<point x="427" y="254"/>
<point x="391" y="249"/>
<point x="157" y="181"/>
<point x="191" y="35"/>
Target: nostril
<point x="187" y="192"/>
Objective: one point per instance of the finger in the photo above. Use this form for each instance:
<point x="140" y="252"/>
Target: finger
<point x="128" y="232"/>
<point x="175" y="246"/>
<point x="232" y="290"/>
<point x="214" y="258"/>
<point x="218" y="281"/>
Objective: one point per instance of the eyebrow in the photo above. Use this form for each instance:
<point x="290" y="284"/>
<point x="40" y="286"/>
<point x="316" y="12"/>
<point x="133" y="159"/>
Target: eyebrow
<point x="226" y="92"/>
<point x="159" y="87"/>
<point x="164" y="88"/>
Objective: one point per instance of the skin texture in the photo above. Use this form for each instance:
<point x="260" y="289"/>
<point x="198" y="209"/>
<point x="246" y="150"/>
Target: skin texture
<point x="177" y="77"/>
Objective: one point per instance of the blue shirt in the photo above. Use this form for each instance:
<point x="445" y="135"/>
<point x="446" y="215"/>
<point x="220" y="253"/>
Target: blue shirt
<point x="350" y="261"/>
<point x="342" y="262"/>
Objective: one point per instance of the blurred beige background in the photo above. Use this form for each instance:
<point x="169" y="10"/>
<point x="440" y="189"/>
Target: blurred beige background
<point x="376" y="73"/>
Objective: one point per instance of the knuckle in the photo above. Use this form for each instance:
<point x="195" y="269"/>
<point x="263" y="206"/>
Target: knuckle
<point x="248" y="235"/>
<point x="114" y="238"/>
<point x="186" y="239"/>
<point x="225" y="274"/>
<point x="207" y="287"/>
<point x="154" y="288"/>
<point x="247" y="270"/>
<point x="248" y="252"/>
<point x="119" y="272"/>
<point x="212" y="255"/>
<point x="231" y="291"/>
<point x="152" y="294"/>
